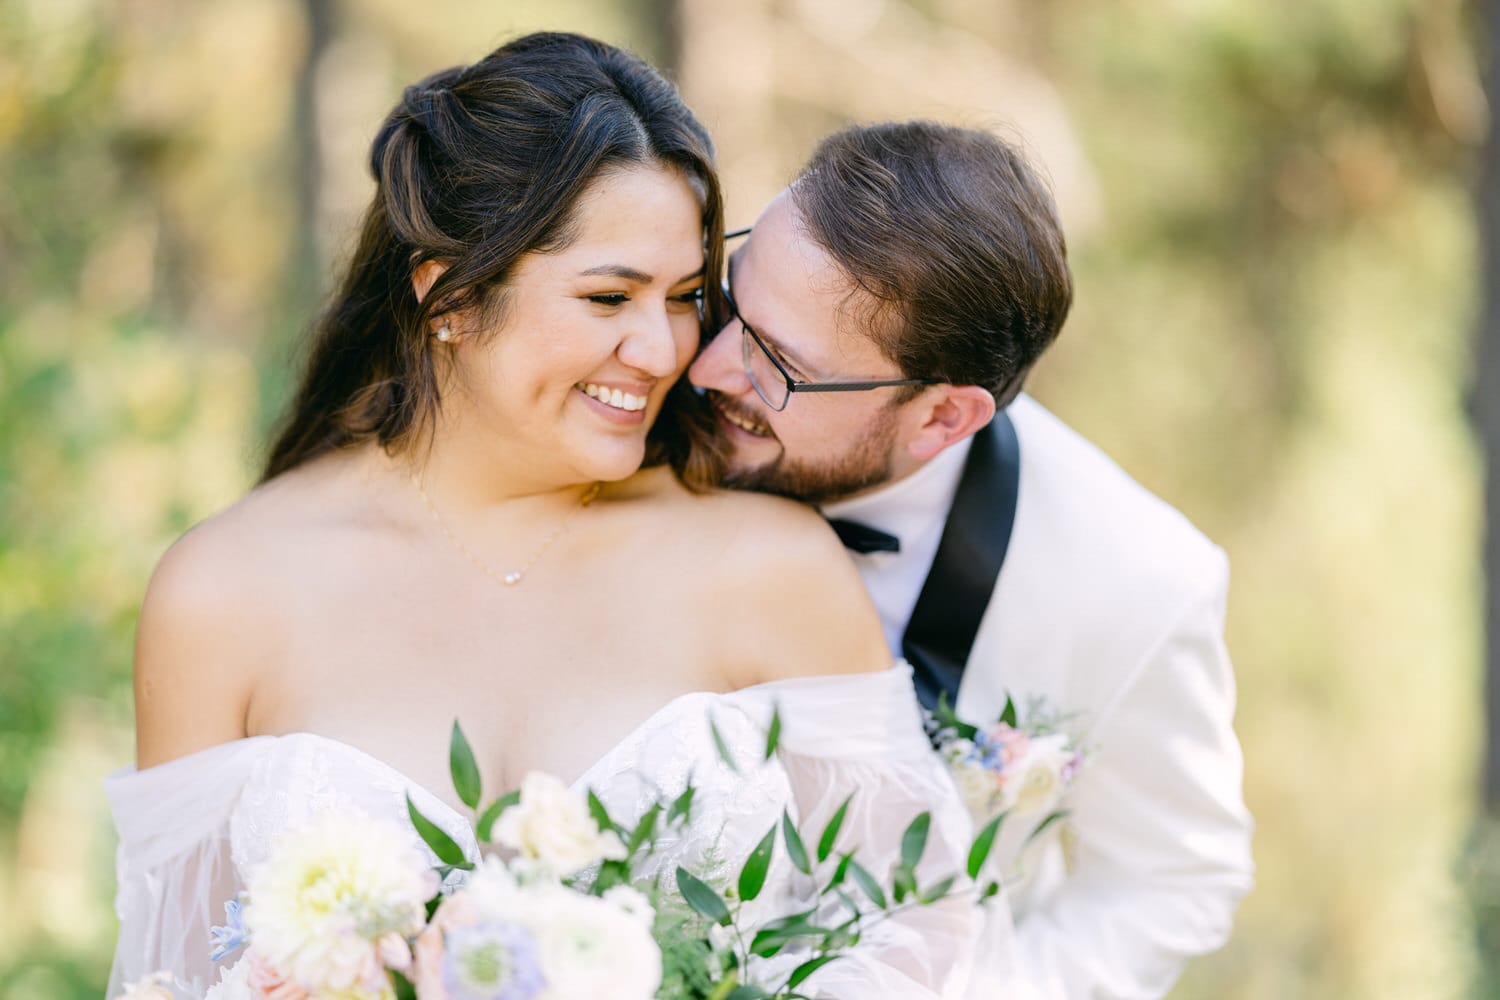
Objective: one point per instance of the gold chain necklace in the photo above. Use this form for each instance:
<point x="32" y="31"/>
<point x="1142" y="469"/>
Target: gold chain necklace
<point x="514" y="576"/>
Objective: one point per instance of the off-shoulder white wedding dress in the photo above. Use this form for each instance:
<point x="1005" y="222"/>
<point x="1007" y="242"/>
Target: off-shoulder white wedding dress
<point x="192" y="829"/>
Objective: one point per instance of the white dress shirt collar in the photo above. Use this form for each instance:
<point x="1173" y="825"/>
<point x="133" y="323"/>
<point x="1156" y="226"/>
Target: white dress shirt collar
<point x="915" y="510"/>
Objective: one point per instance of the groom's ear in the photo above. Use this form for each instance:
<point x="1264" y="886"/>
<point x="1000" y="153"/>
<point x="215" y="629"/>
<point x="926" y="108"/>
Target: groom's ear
<point x="947" y="415"/>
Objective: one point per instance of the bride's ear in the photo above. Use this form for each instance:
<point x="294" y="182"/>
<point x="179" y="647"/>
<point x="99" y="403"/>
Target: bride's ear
<point x="422" y="280"/>
<point x="425" y="276"/>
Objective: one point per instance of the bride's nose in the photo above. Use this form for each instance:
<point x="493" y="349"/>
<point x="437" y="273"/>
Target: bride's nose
<point x="649" y="346"/>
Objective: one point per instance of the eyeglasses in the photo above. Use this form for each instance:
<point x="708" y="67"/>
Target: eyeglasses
<point x="769" y="376"/>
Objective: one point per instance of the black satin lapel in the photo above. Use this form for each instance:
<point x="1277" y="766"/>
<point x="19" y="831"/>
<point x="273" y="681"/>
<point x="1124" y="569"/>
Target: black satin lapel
<point x="958" y="587"/>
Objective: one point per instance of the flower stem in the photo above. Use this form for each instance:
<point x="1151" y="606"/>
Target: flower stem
<point x="725" y="986"/>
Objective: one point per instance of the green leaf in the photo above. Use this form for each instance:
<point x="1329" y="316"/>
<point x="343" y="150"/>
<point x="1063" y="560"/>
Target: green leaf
<point x="779" y="933"/>
<point x="831" y="831"/>
<point x="601" y="814"/>
<point x="753" y="874"/>
<point x="402" y="986"/>
<point x="993" y="889"/>
<point x="845" y="936"/>
<point x="701" y="898"/>
<point x="795" y="849"/>
<point x="947" y="719"/>
<point x="442" y="845"/>
<point x="980" y="852"/>
<point x="807" y="968"/>
<point x="914" y="840"/>
<point x="747" y="991"/>
<point x="494" y="812"/>
<point x="463" y="767"/>
<point x="682" y="807"/>
<point x="773" y="737"/>
<point x="903" y="882"/>
<point x="867" y="882"/>
<point x="1054" y="817"/>
<point x="723" y="747"/>
<point x="936" y="892"/>
<point x="644" y="829"/>
<point x="1009" y="715"/>
<point x="611" y="874"/>
<point x="841" y="871"/>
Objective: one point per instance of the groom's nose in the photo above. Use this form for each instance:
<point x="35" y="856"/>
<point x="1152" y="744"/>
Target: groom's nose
<point x="721" y="366"/>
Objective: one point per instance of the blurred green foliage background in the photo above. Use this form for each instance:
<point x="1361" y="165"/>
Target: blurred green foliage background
<point x="1271" y="221"/>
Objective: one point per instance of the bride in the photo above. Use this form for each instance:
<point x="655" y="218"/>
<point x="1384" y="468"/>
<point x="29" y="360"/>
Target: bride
<point x="490" y="503"/>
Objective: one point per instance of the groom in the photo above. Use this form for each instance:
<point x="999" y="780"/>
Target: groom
<point x="886" y="310"/>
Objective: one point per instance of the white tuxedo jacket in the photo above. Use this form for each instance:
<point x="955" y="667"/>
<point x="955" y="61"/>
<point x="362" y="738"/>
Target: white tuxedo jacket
<point x="1110" y="605"/>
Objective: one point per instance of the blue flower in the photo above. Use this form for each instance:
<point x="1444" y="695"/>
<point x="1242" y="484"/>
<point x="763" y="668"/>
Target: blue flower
<point x="231" y="938"/>
<point x="491" y="961"/>
<point x="988" y="752"/>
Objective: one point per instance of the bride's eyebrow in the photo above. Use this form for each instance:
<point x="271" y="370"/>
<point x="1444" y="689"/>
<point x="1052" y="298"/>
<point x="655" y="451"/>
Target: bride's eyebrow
<point x="631" y="274"/>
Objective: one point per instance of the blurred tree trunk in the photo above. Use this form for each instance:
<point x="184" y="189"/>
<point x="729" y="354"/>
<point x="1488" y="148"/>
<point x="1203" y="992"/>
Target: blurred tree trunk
<point x="663" y="20"/>
<point x="1487" y="410"/>
<point x="303" y="281"/>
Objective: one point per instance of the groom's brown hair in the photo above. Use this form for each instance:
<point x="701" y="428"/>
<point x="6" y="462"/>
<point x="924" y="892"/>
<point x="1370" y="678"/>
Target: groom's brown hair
<point x="956" y="242"/>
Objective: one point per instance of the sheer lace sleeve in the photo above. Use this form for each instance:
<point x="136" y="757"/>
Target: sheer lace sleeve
<point x="173" y="864"/>
<point x="862" y="736"/>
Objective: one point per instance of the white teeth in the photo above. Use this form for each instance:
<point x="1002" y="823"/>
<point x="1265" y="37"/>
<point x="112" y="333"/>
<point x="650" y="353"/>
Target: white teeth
<point x="743" y="423"/>
<point x="617" y="398"/>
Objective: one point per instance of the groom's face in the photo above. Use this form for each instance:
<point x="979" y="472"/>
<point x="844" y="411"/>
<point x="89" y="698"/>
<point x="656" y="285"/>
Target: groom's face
<point x="821" y="446"/>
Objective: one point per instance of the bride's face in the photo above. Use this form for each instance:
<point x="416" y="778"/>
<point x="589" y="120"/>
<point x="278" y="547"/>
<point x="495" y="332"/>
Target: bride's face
<point x="591" y="337"/>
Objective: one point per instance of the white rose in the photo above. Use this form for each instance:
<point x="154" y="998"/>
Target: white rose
<point x="552" y="825"/>
<point x="977" y="786"/>
<point x="1034" y="784"/>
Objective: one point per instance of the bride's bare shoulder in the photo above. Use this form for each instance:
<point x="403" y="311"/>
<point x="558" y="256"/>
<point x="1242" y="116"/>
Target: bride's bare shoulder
<point x="780" y="590"/>
<point x="208" y="625"/>
<point x="246" y="549"/>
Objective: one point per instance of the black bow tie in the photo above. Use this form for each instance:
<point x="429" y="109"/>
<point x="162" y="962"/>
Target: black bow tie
<point x="862" y="538"/>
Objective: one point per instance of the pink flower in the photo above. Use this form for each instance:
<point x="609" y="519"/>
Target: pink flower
<point x="1013" y="743"/>
<point x="428" y="964"/>
<point x="394" y="952"/>
<point x="268" y="983"/>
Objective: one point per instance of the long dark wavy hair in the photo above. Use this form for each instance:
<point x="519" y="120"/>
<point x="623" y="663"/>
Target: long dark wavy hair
<point x="476" y="167"/>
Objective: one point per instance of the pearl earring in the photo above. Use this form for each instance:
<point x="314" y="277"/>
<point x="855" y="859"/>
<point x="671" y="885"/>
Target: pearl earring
<point x="444" y="333"/>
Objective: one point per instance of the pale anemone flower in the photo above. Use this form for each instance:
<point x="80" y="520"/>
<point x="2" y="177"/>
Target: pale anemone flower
<point x="155" y="986"/>
<point x="592" y="948"/>
<point x="233" y="984"/>
<point x="631" y="902"/>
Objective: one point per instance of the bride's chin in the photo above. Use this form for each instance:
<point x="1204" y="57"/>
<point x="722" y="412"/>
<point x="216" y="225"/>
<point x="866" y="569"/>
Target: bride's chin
<point x="610" y="465"/>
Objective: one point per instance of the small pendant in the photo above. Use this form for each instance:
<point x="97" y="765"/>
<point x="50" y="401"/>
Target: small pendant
<point x="511" y="579"/>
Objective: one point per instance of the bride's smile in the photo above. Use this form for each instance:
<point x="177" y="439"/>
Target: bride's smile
<point x="564" y="382"/>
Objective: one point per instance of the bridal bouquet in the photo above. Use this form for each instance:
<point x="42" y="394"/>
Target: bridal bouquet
<point x="1020" y="766"/>
<point x="564" y="909"/>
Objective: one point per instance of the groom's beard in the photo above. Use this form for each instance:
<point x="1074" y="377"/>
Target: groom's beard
<point x="866" y="465"/>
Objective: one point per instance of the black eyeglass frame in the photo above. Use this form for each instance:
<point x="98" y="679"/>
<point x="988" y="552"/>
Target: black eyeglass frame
<point x="795" y="385"/>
